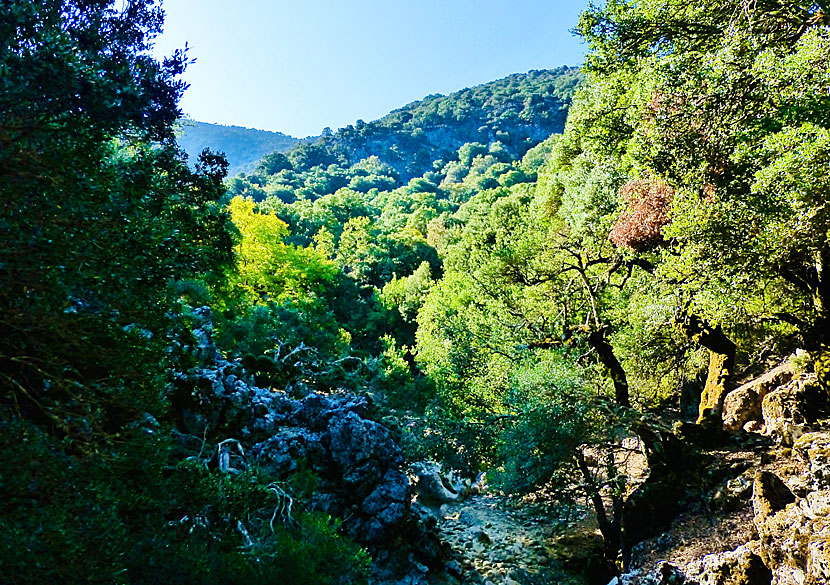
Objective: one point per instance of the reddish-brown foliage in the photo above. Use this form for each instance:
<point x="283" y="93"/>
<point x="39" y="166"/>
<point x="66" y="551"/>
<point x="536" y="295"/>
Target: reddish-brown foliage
<point x="648" y="203"/>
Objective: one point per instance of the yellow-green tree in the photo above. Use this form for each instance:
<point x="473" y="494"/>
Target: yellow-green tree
<point x="268" y="269"/>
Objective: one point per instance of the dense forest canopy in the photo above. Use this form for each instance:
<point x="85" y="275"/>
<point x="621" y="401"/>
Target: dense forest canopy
<point x="508" y="289"/>
<point x="518" y="111"/>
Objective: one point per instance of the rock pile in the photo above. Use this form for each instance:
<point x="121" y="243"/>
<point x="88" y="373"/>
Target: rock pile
<point x="781" y="404"/>
<point x="357" y="464"/>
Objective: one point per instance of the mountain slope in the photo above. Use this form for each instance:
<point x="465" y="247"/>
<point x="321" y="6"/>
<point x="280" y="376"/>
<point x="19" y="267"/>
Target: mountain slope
<point x="453" y="145"/>
<point x="242" y="146"/>
<point x="519" y="111"/>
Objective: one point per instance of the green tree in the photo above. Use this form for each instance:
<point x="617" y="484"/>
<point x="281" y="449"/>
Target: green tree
<point x="711" y="109"/>
<point x="100" y="213"/>
<point x="106" y="235"/>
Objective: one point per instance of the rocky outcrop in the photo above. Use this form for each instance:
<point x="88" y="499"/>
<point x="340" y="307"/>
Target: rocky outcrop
<point x="355" y="458"/>
<point x="794" y="540"/>
<point x="356" y="464"/>
<point x="813" y="449"/>
<point x="780" y="404"/>
<point x="432" y="487"/>
<point x="742" y="406"/>
<point x="741" y="566"/>
<point x="665" y="574"/>
<point x="791" y="542"/>
<point x="789" y="410"/>
<point x="769" y="495"/>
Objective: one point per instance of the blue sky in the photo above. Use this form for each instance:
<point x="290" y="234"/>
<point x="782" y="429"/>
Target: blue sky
<point x="299" y="66"/>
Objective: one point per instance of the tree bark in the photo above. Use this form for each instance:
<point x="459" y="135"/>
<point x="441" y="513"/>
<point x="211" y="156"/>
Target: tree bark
<point x="721" y="363"/>
<point x="597" y="340"/>
<point x="821" y="298"/>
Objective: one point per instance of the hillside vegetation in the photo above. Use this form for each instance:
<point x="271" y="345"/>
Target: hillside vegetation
<point x="232" y="375"/>
<point x="518" y="111"/>
<point x="243" y="147"/>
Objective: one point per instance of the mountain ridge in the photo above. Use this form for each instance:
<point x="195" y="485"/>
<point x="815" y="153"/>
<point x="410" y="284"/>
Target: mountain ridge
<point x="519" y="110"/>
<point x="242" y="146"/>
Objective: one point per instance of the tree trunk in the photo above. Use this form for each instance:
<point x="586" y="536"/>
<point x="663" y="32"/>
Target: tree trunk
<point x="597" y="340"/>
<point x="821" y="328"/>
<point x="821" y="299"/>
<point x="721" y="364"/>
<point x="667" y="461"/>
<point x="609" y="528"/>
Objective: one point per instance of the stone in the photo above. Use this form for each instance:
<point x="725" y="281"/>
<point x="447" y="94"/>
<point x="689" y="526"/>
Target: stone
<point x="814" y="450"/>
<point x="362" y="451"/>
<point x="664" y="574"/>
<point x="742" y="405"/>
<point x="741" y="566"/>
<point x="769" y="495"/>
<point x="482" y="537"/>
<point x="818" y="555"/>
<point x="788" y="410"/>
<point x="783" y="420"/>
<point x="794" y="540"/>
<point x="669" y="574"/>
<point x="221" y="411"/>
<point x="432" y="486"/>
<point x="385" y="508"/>
<point x="316" y="410"/>
<point x="453" y="568"/>
<point x="279" y="455"/>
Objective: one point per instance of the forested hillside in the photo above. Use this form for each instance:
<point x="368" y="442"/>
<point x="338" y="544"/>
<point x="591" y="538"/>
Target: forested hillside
<point x="562" y="279"/>
<point x="243" y="147"/>
<point x="518" y="111"/>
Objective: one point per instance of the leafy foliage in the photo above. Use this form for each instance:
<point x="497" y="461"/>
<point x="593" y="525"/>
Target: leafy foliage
<point x="106" y="234"/>
<point x="648" y="213"/>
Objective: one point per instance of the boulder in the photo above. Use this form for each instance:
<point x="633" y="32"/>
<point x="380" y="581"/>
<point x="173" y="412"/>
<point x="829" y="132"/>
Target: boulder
<point x="433" y="487"/>
<point x="384" y="510"/>
<point x="818" y="552"/>
<point x="316" y="411"/>
<point x="743" y="405"/>
<point x="794" y="535"/>
<point x="665" y="574"/>
<point x="669" y="574"/>
<point x="769" y="495"/>
<point x="741" y="566"/>
<point x="814" y="450"/>
<point x="362" y="451"/>
<point x="281" y="454"/>
<point x="789" y="410"/>
<point x="356" y="463"/>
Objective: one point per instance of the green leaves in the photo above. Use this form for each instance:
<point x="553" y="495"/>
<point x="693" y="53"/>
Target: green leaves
<point x="553" y="415"/>
<point x="727" y="104"/>
<point x="269" y="270"/>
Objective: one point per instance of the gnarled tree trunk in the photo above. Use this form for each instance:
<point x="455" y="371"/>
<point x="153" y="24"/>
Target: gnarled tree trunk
<point x="605" y="352"/>
<point x="721" y="364"/>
